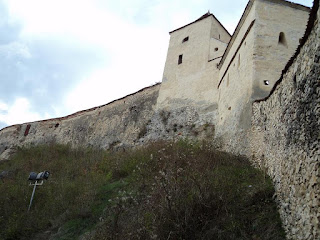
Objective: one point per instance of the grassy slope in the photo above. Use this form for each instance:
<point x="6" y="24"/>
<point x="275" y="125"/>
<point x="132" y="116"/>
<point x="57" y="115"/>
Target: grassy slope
<point x="163" y="191"/>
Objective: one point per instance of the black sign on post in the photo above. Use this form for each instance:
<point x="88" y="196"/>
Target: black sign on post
<point x="36" y="179"/>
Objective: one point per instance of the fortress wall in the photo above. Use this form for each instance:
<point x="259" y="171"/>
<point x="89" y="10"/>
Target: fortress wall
<point x="235" y="89"/>
<point x="190" y="83"/>
<point x="115" y="125"/>
<point x="239" y="34"/>
<point x="218" y="31"/>
<point x="254" y="57"/>
<point x="217" y="48"/>
<point x="285" y="138"/>
<point x="270" y="56"/>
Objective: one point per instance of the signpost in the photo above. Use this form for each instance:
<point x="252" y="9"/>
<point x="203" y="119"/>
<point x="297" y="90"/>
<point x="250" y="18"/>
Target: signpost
<point x="36" y="180"/>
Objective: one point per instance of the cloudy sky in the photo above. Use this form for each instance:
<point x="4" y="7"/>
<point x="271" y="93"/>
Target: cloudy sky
<point x="61" y="56"/>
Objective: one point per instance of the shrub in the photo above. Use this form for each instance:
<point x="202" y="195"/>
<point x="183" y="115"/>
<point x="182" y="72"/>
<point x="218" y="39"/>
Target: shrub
<point x="166" y="190"/>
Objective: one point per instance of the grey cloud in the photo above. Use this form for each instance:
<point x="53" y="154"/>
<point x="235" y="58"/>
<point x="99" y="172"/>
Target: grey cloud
<point x="43" y="71"/>
<point x="46" y="76"/>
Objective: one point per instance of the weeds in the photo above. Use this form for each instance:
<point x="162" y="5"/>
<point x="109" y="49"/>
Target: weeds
<point x="166" y="190"/>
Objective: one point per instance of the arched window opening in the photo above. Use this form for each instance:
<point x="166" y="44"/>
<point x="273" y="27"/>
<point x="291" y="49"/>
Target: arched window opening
<point x="282" y="39"/>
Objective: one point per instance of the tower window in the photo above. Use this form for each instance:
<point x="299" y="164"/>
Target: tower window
<point x="185" y="39"/>
<point x="282" y="39"/>
<point x="180" y="59"/>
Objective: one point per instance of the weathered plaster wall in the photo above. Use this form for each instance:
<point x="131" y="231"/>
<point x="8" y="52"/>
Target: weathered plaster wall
<point x="191" y="82"/>
<point x="115" y="125"/>
<point x="270" y="56"/>
<point x="253" y="57"/>
<point x="235" y="81"/>
<point x="217" y="48"/>
<point x="286" y="139"/>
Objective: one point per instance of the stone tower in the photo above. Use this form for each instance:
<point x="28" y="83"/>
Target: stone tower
<point x="191" y="72"/>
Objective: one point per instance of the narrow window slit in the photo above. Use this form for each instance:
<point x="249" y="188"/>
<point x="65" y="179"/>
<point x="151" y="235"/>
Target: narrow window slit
<point x="180" y="59"/>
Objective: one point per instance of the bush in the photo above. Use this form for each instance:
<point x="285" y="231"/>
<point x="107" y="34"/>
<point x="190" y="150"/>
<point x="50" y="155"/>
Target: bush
<point x="166" y="190"/>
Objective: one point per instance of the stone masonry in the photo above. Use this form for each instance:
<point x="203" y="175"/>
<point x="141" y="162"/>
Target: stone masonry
<point x="286" y="138"/>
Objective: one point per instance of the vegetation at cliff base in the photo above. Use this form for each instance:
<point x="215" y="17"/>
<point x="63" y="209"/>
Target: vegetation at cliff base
<point x="165" y="190"/>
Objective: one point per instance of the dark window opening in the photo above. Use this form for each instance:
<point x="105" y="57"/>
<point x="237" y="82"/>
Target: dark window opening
<point x="282" y="39"/>
<point x="219" y="36"/>
<point x="216" y="49"/>
<point x="185" y="39"/>
<point x="180" y="59"/>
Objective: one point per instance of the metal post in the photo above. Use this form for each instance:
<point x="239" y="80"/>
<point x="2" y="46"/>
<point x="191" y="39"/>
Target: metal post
<point x="34" y="189"/>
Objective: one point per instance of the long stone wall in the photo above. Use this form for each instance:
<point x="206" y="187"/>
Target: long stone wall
<point x="286" y="137"/>
<point x="124" y="123"/>
<point x="115" y="125"/>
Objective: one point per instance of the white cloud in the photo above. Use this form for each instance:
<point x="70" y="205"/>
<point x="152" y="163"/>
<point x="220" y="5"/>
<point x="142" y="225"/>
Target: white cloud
<point x="138" y="57"/>
<point x="15" y="49"/>
<point x="3" y="106"/>
<point x="18" y="112"/>
<point x="72" y="20"/>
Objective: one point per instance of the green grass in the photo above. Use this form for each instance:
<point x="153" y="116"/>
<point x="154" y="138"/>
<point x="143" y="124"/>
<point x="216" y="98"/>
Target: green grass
<point x="165" y="190"/>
